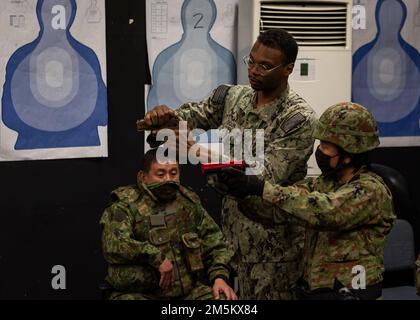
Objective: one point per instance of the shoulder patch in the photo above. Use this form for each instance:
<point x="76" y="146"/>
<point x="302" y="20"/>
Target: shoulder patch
<point x="291" y="123"/>
<point x="220" y="94"/>
<point x="119" y="215"/>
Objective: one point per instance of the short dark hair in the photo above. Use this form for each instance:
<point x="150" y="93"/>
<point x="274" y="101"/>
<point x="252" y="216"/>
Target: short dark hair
<point x="282" y="40"/>
<point x="148" y="159"/>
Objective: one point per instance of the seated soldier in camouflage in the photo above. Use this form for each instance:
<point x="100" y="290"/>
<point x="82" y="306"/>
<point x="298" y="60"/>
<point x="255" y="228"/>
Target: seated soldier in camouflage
<point x="159" y="241"/>
<point x="347" y="211"/>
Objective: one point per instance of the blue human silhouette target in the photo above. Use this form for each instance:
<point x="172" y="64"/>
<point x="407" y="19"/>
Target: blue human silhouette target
<point x="386" y="74"/>
<point x="189" y="69"/>
<point x="54" y="95"/>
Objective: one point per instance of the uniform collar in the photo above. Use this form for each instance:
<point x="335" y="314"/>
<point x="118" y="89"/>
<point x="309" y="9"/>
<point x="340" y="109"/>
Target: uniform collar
<point x="146" y="190"/>
<point x="143" y="187"/>
<point x="355" y="176"/>
<point x="268" y="110"/>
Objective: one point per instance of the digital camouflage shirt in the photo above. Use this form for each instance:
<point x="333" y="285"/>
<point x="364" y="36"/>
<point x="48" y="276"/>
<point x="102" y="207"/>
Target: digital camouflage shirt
<point x="346" y="225"/>
<point x="288" y="124"/>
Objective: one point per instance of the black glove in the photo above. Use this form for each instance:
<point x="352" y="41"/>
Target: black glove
<point x="241" y="185"/>
<point x="221" y="188"/>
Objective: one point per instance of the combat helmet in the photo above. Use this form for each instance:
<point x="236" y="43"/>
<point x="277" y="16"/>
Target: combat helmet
<point x="349" y="126"/>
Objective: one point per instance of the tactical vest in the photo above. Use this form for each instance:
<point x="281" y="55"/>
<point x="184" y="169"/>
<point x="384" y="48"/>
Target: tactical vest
<point x="173" y="229"/>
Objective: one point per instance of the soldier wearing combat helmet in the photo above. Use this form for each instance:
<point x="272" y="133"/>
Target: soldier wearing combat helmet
<point x="347" y="211"/>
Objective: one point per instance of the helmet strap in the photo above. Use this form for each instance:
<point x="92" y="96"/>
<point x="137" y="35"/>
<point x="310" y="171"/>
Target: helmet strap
<point x="341" y="164"/>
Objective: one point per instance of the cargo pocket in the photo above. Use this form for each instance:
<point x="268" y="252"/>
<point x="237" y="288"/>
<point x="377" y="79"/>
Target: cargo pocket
<point x="159" y="236"/>
<point x="192" y="245"/>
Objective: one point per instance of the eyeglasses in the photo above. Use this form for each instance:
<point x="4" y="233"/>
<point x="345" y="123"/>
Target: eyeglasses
<point x="261" y="68"/>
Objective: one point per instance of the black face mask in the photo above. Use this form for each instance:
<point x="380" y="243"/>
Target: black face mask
<point x="323" y="161"/>
<point x="164" y="191"/>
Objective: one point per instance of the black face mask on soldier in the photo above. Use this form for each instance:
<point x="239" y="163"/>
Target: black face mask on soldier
<point x="164" y="191"/>
<point x="323" y="162"/>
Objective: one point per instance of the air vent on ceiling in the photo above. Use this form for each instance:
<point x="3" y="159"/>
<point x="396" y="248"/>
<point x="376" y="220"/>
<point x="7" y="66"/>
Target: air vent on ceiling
<point x="310" y="23"/>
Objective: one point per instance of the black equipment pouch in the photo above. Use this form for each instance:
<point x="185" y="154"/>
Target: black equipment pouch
<point x="220" y="95"/>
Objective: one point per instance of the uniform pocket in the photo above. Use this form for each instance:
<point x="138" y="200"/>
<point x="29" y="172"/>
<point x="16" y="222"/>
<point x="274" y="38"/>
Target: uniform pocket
<point x="343" y="251"/>
<point x="192" y="245"/>
<point x="159" y="236"/>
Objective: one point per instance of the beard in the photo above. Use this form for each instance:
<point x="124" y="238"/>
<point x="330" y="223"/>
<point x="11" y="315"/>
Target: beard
<point x="255" y="84"/>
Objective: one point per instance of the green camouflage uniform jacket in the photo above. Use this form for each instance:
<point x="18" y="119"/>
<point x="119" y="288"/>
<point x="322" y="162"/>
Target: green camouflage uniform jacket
<point x="139" y="233"/>
<point x="288" y="124"/>
<point x="346" y="225"/>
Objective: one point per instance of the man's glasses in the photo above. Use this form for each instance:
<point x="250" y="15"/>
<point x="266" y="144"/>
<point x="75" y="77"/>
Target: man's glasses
<point x="261" y="68"/>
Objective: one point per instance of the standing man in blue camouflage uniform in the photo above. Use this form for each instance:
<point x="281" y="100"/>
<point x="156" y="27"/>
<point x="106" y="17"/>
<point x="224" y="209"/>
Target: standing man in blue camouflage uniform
<point x="159" y="241"/>
<point x="347" y="211"/>
<point x="267" y="257"/>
